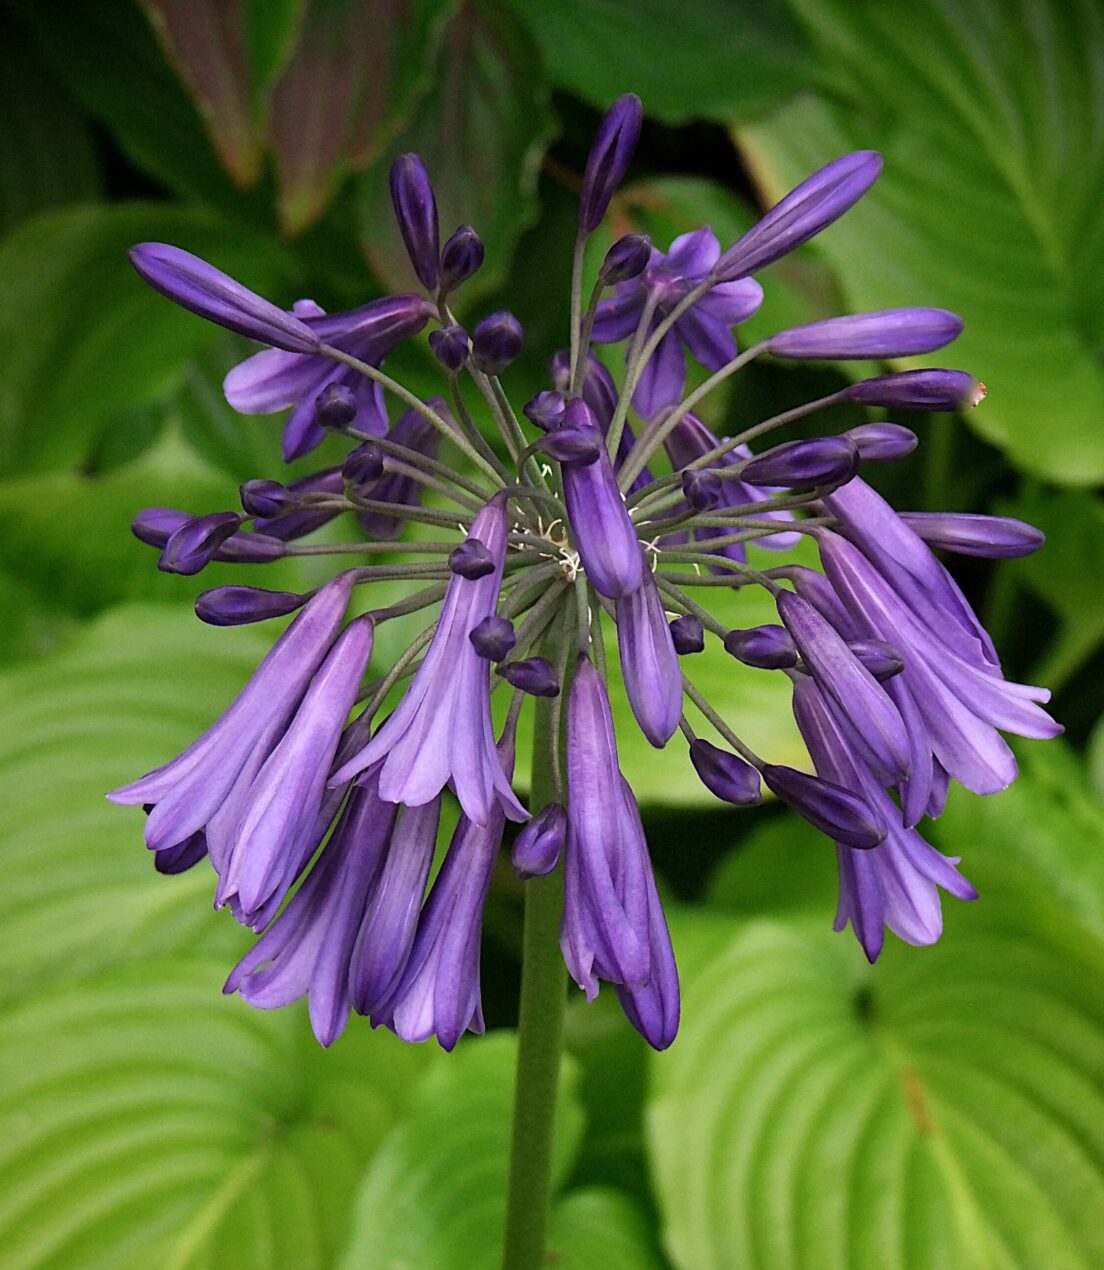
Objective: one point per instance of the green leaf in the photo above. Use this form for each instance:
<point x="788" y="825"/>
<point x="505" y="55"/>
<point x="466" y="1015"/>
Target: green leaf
<point x="709" y="59"/>
<point x="482" y="131"/>
<point x="148" y="1122"/>
<point x="600" y="1227"/>
<point x="783" y="865"/>
<point x="46" y="153"/>
<point x="989" y="202"/>
<point x="83" y="341"/>
<point x="435" y="1192"/>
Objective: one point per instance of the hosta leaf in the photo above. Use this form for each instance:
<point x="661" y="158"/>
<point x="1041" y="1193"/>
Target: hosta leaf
<point x="600" y="1227"/>
<point x="988" y="115"/>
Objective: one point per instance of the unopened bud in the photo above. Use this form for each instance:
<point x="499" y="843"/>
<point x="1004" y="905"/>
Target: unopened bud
<point x="461" y="257"/>
<point x="765" y="647"/>
<point x="627" y="258"/>
<point x="534" y="675"/>
<point x="493" y="637"/>
<point x="240" y="605"/>
<point x="471" y="560"/>
<point x="537" y="848"/>
<point x="335" y="407"/>
<point x="450" y="346"/>
<point x="496" y="342"/>
<point x="687" y="634"/>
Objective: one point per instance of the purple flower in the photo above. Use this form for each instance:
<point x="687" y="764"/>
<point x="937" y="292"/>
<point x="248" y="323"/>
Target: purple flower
<point x="612" y="925"/>
<point x="812" y="206"/>
<point x="414" y="431"/>
<point x="273" y="380"/>
<point x="441" y="733"/>
<point x="190" y="789"/>
<point x="884" y="334"/>
<point x="649" y="663"/>
<point x="996" y="537"/>
<point x="416" y="212"/>
<point x="895" y="883"/>
<point x="195" y="285"/>
<point x="605" y="536"/>
<point x="609" y="157"/>
<point x="705" y="329"/>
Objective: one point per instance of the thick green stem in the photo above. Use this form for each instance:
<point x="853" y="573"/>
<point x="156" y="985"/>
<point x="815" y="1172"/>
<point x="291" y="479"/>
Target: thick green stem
<point x="540" y="1032"/>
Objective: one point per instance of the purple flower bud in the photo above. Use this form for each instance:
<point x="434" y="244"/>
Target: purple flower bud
<point x="881" y="659"/>
<point x="195" y="285"/>
<point x="496" y="342"/>
<point x="765" y="647"/>
<point x="821" y="461"/>
<point x="920" y="390"/>
<point x="471" y="560"/>
<point x="193" y="546"/>
<point x="725" y="774"/>
<point x="879" y="442"/>
<point x="609" y="158"/>
<point x="298" y="523"/>
<point x="335" y="407"/>
<point x="362" y="465"/>
<point x="461" y="257"/>
<point x="887" y="333"/>
<point x="626" y="259"/>
<point x="702" y="489"/>
<point x="416" y="212"/>
<point x="156" y="525"/>
<point x="998" y="537"/>
<point x="240" y="605"/>
<point x="545" y="410"/>
<point x="835" y="811"/>
<point x="450" y="346"/>
<point x="649" y="663"/>
<point x="687" y="635"/>
<point x="265" y="498"/>
<point x="493" y="637"/>
<point x="805" y="211"/>
<point x="580" y="446"/>
<point x="538" y="847"/>
<point x="534" y="675"/>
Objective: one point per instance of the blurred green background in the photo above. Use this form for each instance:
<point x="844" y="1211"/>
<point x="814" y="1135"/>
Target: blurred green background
<point x="943" y="1110"/>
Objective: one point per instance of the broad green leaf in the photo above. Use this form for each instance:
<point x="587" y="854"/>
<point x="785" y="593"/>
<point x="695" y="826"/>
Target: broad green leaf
<point x="434" y="1194"/>
<point x="83" y="341"/>
<point x="147" y="1121"/>
<point x="32" y="625"/>
<point x="482" y="130"/>
<point x="943" y="1109"/>
<point x="46" y="153"/>
<point x="600" y="1227"/>
<point x="987" y="114"/>
<point x="708" y="59"/>
<point x="784" y="865"/>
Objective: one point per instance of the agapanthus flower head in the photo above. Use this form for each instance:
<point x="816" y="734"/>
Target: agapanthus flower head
<point x="588" y="519"/>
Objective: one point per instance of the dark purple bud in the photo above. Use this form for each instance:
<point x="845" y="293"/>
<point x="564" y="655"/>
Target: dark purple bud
<point x="887" y="333"/>
<point x="821" y="461"/>
<point x="626" y="259"/>
<point x="880" y="442"/>
<point x="998" y="537"/>
<point x="496" y="342"/>
<point x="835" y="811"/>
<point x="193" y="546"/>
<point x="765" y="647"/>
<point x="688" y="635"/>
<point x="493" y="637"/>
<point x="702" y="488"/>
<point x="538" y="847"/>
<point x="545" y="410"/>
<point x="201" y="288"/>
<point x="335" y="407"/>
<point x="461" y="257"/>
<point x="156" y="525"/>
<point x="240" y="605"/>
<point x="568" y="444"/>
<point x="416" y="212"/>
<point x="920" y="390"/>
<point x="725" y="774"/>
<point x="805" y="211"/>
<point x="881" y="659"/>
<point x="265" y="498"/>
<point x="450" y="346"/>
<point x="362" y="465"/>
<point x="471" y="560"/>
<point x="534" y="675"/>
<point x="609" y="158"/>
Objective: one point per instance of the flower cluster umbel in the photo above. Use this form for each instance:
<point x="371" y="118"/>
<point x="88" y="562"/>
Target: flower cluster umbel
<point x="317" y="796"/>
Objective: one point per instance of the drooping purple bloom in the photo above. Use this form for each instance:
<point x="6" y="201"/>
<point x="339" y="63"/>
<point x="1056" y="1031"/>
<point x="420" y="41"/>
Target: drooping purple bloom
<point x="808" y="208"/>
<point x="994" y="537"/>
<point x="705" y="329"/>
<point x="441" y="732"/>
<point x="239" y="605"/>
<point x="608" y="159"/>
<point x="649" y="663"/>
<point x="894" y="884"/>
<point x="156" y="525"/>
<point x="539" y="845"/>
<point x="798" y="464"/>
<point x="920" y="390"/>
<point x="461" y="258"/>
<point x="416" y="213"/>
<point x="192" y="546"/>
<point x="884" y="334"/>
<point x="273" y="380"/>
<point x="612" y="923"/>
<point x="725" y="774"/>
<point x="605" y="536"/>
<point x="201" y="288"/>
<point x="414" y="431"/>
